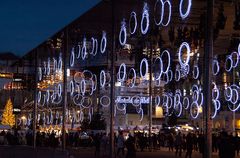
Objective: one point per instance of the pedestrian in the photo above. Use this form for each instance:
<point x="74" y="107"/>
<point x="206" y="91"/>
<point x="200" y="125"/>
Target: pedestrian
<point x="178" y="144"/>
<point x="189" y="145"/>
<point x="130" y="145"/>
<point x="120" y="143"/>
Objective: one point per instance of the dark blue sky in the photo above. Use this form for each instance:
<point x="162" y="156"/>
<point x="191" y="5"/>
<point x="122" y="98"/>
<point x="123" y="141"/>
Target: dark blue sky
<point x="26" y="23"/>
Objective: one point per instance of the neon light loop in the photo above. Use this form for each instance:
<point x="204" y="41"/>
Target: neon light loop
<point x="48" y="67"/>
<point x="239" y="49"/>
<point x="84" y="49"/>
<point x="186" y="13"/>
<point x="47" y="96"/>
<point x="39" y="73"/>
<point x="123" y="32"/>
<point x="102" y="78"/>
<point x="133" y="16"/>
<point x="169" y="60"/>
<point x="72" y="89"/>
<point x="79" y="51"/>
<point x="94" y="46"/>
<point x="215" y="64"/>
<point x="107" y="103"/>
<point x="54" y="64"/>
<point x="194" y="110"/>
<point x="237" y="59"/>
<point x="122" y="69"/>
<point x="144" y="75"/>
<point x="184" y="64"/>
<point x="157" y="100"/>
<point x="186" y="103"/>
<point x="195" y="72"/>
<point x="170" y="12"/>
<point x="170" y="73"/>
<point x="59" y="88"/>
<point x="60" y="63"/>
<point x="136" y="101"/>
<point x="83" y="86"/>
<point x="145" y="16"/>
<point x="72" y="57"/>
<point x="177" y="74"/>
<point x="44" y="68"/>
<point x="158" y="74"/>
<point x="162" y="12"/>
<point x="133" y="80"/>
<point x="103" y="42"/>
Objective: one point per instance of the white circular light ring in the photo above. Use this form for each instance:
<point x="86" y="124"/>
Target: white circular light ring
<point x="93" y="46"/>
<point x="170" y="73"/>
<point x="185" y="14"/>
<point x="122" y="69"/>
<point x="47" y="96"/>
<point x="96" y="47"/>
<point x="145" y="16"/>
<point x="39" y="97"/>
<point x="103" y="42"/>
<point x="228" y="93"/>
<point x="169" y="13"/>
<point x="158" y="74"/>
<point x="72" y="57"/>
<point x="133" y="15"/>
<point x="215" y="91"/>
<point x="60" y="63"/>
<point x="95" y="82"/>
<point x="79" y="51"/>
<point x="228" y="58"/>
<point x="87" y="74"/>
<point x="133" y="80"/>
<point x="72" y="89"/>
<point x="144" y="75"/>
<point x="239" y="49"/>
<point x="157" y="101"/>
<point x="87" y="100"/>
<point x="186" y="103"/>
<point x="107" y="98"/>
<point x="136" y="101"/>
<point x="162" y="12"/>
<point x="140" y="111"/>
<point x="182" y="63"/>
<point x="54" y="65"/>
<point x="84" y="49"/>
<point x="83" y="87"/>
<point x="165" y="100"/>
<point x="214" y="110"/>
<point x="44" y="68"/>
<point x="169" y="60"/>
<point x="102" y="78"/>
<point x="92" y="87"/>
<point x="215" y="64"/>
<point x="235" y="64"/>
<point x="170" y="105"/>
<point x="235" y="99"/>
<point x="48" y="67"/>
<point x="123" y="32"/>
<point x="77" y="100"/>
<point x="123" y="109"/>
<point x="195" y="72"/>
<point x="39" y="73"/>
<point x="59" y="90"/>
<point x="177" y="75"/>
<point x="196" y="107"/>
<point x="178" y="109"/>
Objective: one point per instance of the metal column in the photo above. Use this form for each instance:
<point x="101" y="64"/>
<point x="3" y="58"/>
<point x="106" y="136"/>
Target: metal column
<point x="207" y="87"/>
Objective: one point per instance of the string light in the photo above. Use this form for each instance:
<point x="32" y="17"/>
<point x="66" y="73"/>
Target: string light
<point x="103" y="42"/>
<point x="123" y="32"/>
<point x="144" y="75"/>
<point x="185" y="14"/>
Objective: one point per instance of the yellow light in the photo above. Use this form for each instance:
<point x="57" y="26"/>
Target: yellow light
<point x="159" y="112"/>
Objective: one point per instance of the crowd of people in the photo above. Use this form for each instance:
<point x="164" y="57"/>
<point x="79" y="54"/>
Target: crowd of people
<point x="183" y="144"/>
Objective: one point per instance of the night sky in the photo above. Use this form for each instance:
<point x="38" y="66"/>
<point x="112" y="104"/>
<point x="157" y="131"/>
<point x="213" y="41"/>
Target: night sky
<point x="26" y="23"/>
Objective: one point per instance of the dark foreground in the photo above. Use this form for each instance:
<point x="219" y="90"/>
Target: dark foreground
<point x="29" y="152"/>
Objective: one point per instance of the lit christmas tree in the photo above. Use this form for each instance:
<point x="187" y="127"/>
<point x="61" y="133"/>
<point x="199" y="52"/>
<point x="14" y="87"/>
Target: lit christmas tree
<point x="8" y="117"/>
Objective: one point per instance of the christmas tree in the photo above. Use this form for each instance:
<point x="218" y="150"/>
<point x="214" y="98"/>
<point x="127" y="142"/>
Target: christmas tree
<point x="8" y="117"/>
